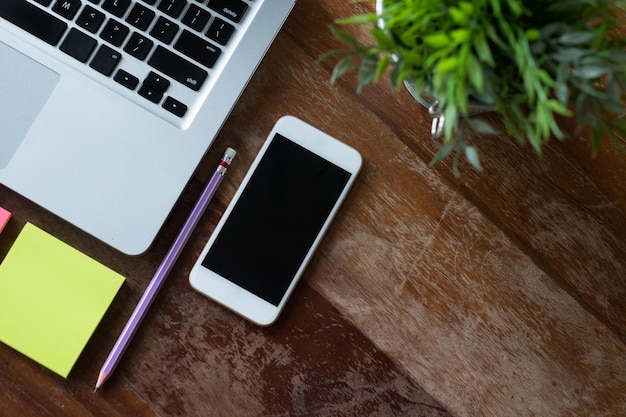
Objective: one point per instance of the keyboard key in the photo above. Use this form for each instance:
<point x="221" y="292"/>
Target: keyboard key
<point x="140" y="17"/>
<point x="114" y="32"/>
<point x="150" y="93"/>
<point x="174" y="106"/>
<point x="33" y="20"/>
<point x="164" y="30"/>
<point x="196" y="18"/>
<point x="172" y="8"/>
<point x="90" y="19"/>
<point x="138" y="46"/>
<point x="66" y="8"/>
<point x="105" y="60"/>
<point x="197" y="49"/>
<point x="116" y="7"/>
<point x="178" y="68"/>
<point x="126" y="79"/>
<point x="45" y="3"/>
<point x="78" y="45"/>
<point x="156" y="81"/>
<point x="220" y="31"/>
<point x="231" y="9"/>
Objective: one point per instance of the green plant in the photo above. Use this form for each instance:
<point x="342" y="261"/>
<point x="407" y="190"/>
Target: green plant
<point x="531" y="61"/>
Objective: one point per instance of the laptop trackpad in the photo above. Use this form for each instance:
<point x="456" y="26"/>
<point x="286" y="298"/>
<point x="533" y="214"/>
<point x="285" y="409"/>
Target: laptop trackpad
<point x="25" y="86"/>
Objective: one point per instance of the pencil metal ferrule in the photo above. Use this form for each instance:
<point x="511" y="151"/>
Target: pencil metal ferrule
<point x="228" y="157"/>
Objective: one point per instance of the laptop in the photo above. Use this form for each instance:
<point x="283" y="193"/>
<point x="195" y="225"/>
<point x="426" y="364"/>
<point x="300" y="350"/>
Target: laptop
<point x="108" y="106"/>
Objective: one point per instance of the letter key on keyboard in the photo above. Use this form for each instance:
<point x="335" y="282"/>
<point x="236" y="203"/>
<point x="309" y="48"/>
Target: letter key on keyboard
<point x="116" y="7"/>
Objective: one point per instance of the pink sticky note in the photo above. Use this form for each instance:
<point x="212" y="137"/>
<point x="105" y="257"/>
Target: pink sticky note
<point x="4" y="218"/>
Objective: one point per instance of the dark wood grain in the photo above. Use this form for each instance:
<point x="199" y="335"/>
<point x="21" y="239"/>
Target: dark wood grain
<point x="193" y="358"/>
<point x="498" y="293"/>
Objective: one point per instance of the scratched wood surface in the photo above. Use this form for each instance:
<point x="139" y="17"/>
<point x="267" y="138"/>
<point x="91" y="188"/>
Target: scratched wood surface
<point x="499" y="293"/>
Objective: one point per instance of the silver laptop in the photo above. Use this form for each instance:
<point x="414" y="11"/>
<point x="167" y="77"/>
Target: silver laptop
<point x="107" y="106"/>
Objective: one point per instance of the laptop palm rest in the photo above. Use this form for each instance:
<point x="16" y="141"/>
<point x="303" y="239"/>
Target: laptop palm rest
<point x="25" y="86"/>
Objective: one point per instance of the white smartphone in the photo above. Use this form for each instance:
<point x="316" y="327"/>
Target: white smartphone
<point x="277" y="218"/>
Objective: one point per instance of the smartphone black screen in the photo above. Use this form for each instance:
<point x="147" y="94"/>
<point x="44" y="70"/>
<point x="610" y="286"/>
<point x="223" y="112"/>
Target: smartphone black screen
<point x="276" y="219"/>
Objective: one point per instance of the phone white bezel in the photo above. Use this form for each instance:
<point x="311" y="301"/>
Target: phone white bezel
<point x="231" y="295"/>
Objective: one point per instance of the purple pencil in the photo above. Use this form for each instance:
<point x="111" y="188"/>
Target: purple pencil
<point x="164" y="269"/>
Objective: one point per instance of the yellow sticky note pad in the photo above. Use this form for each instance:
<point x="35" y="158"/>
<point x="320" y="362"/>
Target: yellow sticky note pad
<point x="52" y="297"/>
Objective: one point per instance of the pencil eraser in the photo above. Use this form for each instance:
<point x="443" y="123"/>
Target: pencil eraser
<point x="230" y="153"/>
<point x="4" y="218"/>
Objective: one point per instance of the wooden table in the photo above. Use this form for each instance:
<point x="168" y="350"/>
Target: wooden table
<point x="499" y="293"/>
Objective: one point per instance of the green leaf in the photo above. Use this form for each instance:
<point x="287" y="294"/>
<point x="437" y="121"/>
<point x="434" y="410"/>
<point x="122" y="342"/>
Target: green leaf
<point x="545" y="78"/>
<point x="569" y="54"/>
<point x="542" y="124"/>
<point x="332" y="52"/>
<point x="516" y="7"/>
<point x="447" y="64"/>
<point x="481" y="126"/>
<point x="444" y="151"/>
<point x="482" y="49"/>
<point x="591" y="90"/>
<point x="534" y="138"/>
<point x="495" y="5"/>
<point x="532" y="35"/>
<point x="558" y="108"/>
<point x="383" y="64"/>
<point x="344" y="37"/>
<point x="458" y="16"/>
<point x="344" y="66"/>
<point x="592" y="71"/>
<point x="451" y="120"/>
<point x="593" y="60"/>
<point x="367" y="72"/>
<point x="460" y="35"/>
<point x="357" y="19"/>
<point x="471" y="154"/>
<point x="556" y="130"/>
<point x="467" y="7"/>
<point x="577" y="38"/>
<point x="475" y="73"/>
<point x="383" y="39"/>
<point x="437" y="40"/>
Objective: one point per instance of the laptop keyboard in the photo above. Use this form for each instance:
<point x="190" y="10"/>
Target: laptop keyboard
<point x="162" y="51"/>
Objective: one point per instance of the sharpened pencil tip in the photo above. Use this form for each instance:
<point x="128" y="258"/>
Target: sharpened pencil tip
<point x="101" y="378"/>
